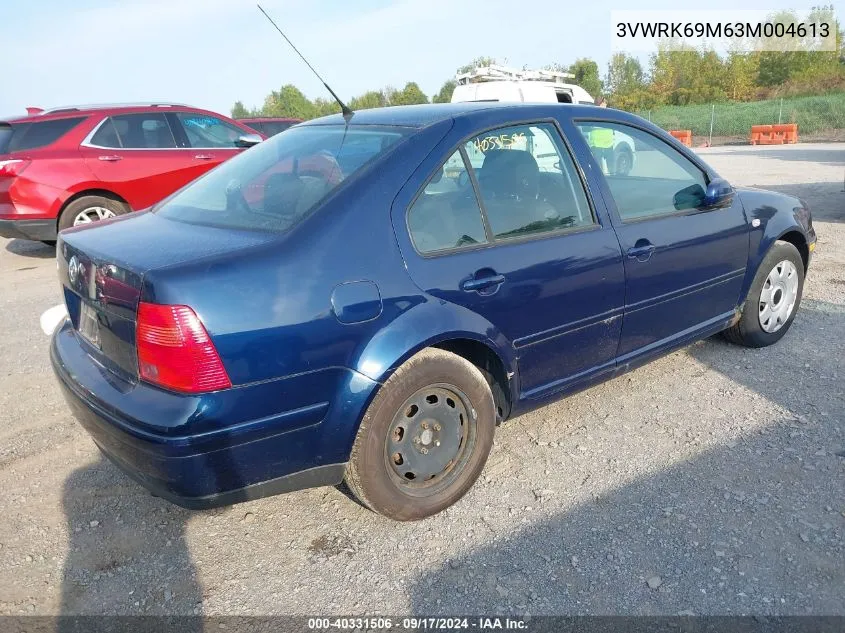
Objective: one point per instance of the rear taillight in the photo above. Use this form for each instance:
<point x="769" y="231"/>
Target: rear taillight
<point x="13" y="167"/>
<point x="175" y="351"/>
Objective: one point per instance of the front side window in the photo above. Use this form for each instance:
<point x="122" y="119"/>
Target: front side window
<point x="279" y="181"/>
<point x="135" y="131"/>
<point x="446" y="214"/>
<point x="647" y="176"/>
<point x="527" y="181"/>
<point x="208" y="132"/>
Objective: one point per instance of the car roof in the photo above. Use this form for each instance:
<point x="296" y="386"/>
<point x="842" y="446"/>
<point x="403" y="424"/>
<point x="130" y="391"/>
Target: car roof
<point x="427" y="114"/>
<point x="62" y="112"/>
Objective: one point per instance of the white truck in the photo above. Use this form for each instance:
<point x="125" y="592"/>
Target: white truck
<point x="500" y="83"/>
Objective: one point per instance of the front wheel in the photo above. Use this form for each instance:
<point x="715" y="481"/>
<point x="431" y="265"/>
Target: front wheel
<point x="424" y="439"/>
<point x="773" y="299"/>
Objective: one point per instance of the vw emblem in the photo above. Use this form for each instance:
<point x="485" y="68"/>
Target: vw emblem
<point x="74" y="269"/>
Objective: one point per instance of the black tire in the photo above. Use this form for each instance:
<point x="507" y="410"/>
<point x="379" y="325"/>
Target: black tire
<point x="748" y="331"/>
<point x="377" y="483"/>
<point x="71" y="211"/>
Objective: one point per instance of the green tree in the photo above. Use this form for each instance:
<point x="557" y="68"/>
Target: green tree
<point x="409" y="95"/>
<point x="370" y="99"/>
<point x="324" y="107"/>
<point x="624" y="75"/>
<point x="239" y="111"/>
<point x="740" y="77"/>
<point x="288" y="102"/>
<point x="586" y="73"/>
<point x="445" y="93"/>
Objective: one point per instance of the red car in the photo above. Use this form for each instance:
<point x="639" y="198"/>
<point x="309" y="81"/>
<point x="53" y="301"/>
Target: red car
<point x="270" y="126"/>
<point x="75" y="165"/>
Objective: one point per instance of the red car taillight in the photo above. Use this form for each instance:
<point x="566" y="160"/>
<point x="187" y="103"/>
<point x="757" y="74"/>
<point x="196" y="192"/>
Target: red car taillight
<point x="175" y="351"/>
<point x="13" y="167"/>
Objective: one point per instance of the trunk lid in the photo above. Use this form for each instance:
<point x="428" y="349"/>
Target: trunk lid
<point x="102" y="270"/>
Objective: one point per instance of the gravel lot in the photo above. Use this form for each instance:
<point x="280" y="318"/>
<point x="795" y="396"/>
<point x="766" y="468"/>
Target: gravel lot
<point x="710" y="481"/>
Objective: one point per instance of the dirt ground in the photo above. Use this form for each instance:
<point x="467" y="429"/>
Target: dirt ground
<point x="710" y="481"/>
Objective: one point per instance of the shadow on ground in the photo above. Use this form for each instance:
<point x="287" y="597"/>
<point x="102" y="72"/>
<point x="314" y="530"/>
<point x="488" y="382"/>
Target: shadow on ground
<point x="755" y="526"/>
<point x="26" y="248"/>
<point x="127" y="552"/>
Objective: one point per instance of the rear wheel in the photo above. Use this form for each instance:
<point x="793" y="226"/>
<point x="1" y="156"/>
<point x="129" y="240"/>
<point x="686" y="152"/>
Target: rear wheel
<point x="424" y="439"/>
<point x="89" y="209"/>
<point x="773" y="299"/>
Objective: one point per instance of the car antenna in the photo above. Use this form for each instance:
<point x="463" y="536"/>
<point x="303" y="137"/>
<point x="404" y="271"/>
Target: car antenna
<point x="347" y="112"/>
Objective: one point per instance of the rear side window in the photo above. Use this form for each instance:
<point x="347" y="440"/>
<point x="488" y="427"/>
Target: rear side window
<point x="446" y="215"/>
<point x="106" y="135"/>
<point x="35" y="134"/>
<point x="274" y="184"/>
<point x="149" y="130"/>
<point x="208" y="132"/>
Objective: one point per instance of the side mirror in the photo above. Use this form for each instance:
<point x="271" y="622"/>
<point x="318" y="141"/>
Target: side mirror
<point x="719" y="193"/>
<point x="248" y="140"/>
<point x="691" y="197"/>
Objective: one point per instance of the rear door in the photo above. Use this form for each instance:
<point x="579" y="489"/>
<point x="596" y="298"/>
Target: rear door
<point x="523" y="248"/>
<point x="684" y="263"/>
<point x="138" y="156"/>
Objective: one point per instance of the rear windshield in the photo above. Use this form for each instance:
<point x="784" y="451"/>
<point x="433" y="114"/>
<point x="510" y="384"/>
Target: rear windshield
<point x="274" y="184"/>
<point x="17" y="137"/>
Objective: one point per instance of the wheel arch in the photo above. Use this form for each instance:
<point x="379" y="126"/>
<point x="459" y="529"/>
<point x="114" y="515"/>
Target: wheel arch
<point x="799" y="241"/>
<point x="449" y="327"/>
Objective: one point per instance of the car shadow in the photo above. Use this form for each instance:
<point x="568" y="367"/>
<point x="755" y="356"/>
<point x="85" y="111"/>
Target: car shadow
<point x="750" y="526"/>
<point x="27" y="248"/>
<point x="127" y="553"/>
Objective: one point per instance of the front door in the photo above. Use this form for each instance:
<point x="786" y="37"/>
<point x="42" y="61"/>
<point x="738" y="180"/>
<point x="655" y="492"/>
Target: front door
<point x="138" y="157"/>
<point x="516" y="240"/>
<point x="684" y="263"/>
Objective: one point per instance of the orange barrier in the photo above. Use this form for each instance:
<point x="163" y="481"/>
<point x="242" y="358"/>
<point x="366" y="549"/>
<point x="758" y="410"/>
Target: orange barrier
<point x="789" y="131"/>
<point x="774" y="134"/>
<point x="684" y="136"/>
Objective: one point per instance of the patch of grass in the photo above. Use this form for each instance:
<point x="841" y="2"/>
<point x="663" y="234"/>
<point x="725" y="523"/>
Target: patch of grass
<point x="812" y="114"/>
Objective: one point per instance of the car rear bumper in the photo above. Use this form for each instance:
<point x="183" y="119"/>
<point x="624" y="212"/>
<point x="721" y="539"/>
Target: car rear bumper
<point x="225" y="464"/>
<point x="37" y="230"/>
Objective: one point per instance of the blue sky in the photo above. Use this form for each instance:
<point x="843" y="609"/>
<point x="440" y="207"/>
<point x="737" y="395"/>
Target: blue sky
<point x="210" y="53"/>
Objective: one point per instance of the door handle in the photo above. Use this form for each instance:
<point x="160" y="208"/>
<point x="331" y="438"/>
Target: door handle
<point x="480" y="283"/>
<point x="109" y="159"/>
<point x="642" y="252"/>
<point x="204" y="156"/>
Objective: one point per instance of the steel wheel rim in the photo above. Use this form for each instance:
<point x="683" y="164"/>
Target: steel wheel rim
<point x="778" y="296"/>
<point x="430" y="440"/>
<point x="623" y="163"/>
<point x="92" y="214"/>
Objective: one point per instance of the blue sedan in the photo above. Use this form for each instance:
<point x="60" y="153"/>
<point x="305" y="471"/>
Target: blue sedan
<point x="364" y="300"/>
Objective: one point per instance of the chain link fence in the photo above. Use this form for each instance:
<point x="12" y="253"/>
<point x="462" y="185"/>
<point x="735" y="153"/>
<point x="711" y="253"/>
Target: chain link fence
<point x="818" y="117"/>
